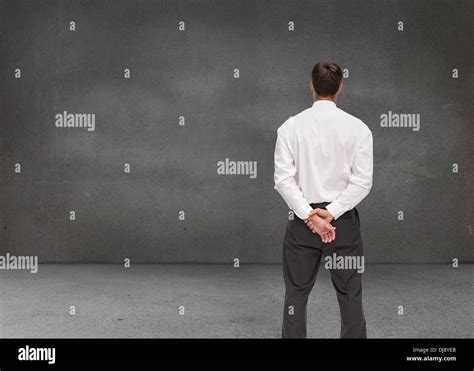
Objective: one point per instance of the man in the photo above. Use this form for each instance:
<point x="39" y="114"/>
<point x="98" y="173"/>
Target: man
<point x="323" y="169"/>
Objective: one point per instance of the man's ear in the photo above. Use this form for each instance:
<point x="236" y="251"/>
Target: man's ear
<point x="340" y="88"/>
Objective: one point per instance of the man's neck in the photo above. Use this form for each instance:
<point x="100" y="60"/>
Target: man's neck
<point x="325" y="98"/>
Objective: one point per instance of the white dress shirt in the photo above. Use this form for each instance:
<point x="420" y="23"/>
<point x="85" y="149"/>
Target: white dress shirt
<point x="323" y="154"/>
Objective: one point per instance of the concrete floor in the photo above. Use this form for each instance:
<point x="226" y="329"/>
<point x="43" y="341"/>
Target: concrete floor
<point x="225" y="302"/>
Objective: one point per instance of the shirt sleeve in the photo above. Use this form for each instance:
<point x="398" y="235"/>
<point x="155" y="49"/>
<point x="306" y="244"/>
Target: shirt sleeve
<point x="360" y="181"/>
<point x="285" y="182"/>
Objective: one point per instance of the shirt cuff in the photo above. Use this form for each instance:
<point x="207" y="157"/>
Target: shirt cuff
<point x="335" y="210"/>
<point x="303" y="211"/>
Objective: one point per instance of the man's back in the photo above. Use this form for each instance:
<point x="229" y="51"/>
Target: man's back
<point x="330" y="149"/>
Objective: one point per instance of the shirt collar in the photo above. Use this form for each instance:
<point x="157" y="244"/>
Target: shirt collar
<point x="324" y="104"/>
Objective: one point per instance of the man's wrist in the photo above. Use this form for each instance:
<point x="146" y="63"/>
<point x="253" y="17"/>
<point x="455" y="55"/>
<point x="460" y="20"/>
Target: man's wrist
<point x="332" y="216"/>
<point x="334" y="210"/>
<point x="303" y="211"/>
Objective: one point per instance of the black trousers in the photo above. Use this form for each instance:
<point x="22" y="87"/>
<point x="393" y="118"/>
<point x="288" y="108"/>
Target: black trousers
<point x="302" y="252"/>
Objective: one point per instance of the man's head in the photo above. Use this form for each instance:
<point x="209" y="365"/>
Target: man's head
<point x="326" y="80"/>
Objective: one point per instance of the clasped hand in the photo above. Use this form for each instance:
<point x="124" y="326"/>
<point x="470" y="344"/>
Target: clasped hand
<point x="319" y="221"/>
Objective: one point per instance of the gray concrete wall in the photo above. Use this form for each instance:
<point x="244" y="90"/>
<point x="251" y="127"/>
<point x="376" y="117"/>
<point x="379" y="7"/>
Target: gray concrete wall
<point x="191" y="73"/>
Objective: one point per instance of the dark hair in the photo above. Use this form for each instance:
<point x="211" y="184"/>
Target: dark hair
<point x="326" y="78"/>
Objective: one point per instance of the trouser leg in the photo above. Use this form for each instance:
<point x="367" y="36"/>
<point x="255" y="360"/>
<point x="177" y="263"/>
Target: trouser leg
<point x="348" y="282"/>
<point x="349" y="295"/>
<point x="301" y="260"/>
